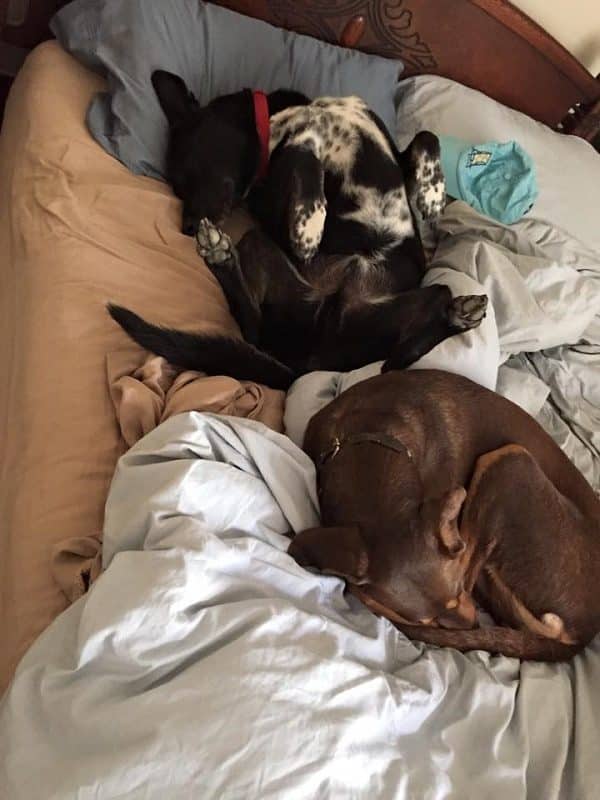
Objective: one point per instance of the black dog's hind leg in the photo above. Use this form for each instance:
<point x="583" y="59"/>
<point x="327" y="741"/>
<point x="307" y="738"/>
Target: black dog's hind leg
<point x="266" y="294"/>
<point x="401" y="330"/>
<point x="287" y="301"/>
<point x="443" y="317"/>
<point x="222" y="258"/>
<point x="308" y="207"/>
<point x="291" y="204"/>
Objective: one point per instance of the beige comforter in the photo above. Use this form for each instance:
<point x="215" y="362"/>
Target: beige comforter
<point x="77" y="229"/>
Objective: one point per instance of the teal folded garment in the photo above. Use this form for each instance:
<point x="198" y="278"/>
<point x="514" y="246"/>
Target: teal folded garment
<point x="496" y="179"/>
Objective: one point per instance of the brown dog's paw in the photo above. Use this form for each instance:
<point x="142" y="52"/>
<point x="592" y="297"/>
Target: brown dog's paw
<point x="214" y="246"/>
<point x="467" y="311"/>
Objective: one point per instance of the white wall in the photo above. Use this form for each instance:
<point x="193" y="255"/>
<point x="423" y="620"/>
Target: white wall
<point x="574" y="23"/>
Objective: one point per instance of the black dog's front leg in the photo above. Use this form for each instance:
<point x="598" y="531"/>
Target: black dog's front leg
<point x="443" y="317"/>
<point x="307" y="207"/>
<point x="291" y="204"/>
<point x="425" y="182"/>
<point x="222" y="258"/>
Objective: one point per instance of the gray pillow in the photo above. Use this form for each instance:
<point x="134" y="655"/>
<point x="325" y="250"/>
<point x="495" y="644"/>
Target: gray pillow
<point x="215" y="51"/>
<point x="567" y="168"/>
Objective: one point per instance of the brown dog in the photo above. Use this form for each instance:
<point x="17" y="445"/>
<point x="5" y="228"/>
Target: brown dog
<point x="394" y="454"/>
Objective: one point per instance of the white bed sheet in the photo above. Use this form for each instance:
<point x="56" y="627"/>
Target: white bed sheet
<point x="204" y="663"/>
<point x="540" y="343"/>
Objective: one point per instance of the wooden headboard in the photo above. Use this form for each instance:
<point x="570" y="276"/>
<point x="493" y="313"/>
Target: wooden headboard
<point x="486" y="44"/>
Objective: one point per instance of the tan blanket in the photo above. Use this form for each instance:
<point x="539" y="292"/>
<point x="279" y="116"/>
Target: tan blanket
<point x="143" y="399"/>
<point x="76" y="230"/>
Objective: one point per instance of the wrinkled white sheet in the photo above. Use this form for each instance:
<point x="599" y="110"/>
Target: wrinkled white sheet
<point x="545" y="289"/>
<point x="204" y="663"/>
<point x="540" y="343"/>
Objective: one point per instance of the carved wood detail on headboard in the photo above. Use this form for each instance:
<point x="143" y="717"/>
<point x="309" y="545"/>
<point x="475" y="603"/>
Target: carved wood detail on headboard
<point x="486" y="44"/>
<point x="389" y="25"/>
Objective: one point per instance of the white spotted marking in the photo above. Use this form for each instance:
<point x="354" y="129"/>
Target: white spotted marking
<point x="308" y="230"/>
<point x="340" y="119"/>
<point x="315" y="222"/>
<point x="386" y="213"/>
<point x="333" y="128"/>
<point x="431" y="191"/>
<point x="311" y="140"/>
<point x="382" y="299"/>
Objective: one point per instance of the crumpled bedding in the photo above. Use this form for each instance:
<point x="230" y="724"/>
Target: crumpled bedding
<point x="540" y="343"/>
<point x="205" y="663"/>
<point x="143" y="397"/>
<point x="156" y="391"/>
<point x="545" y="289"/>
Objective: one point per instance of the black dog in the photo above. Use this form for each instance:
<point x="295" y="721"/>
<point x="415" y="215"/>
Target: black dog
<point x="331" y="279"/>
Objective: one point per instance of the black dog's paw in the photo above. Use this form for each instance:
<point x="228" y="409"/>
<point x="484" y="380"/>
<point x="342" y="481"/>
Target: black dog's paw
<point x="214" y="246"/>
<point x="307" y="225"/>
<point x="467" y="311"/>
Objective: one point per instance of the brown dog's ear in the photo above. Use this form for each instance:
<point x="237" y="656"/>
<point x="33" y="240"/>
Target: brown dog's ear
<point x="334" y="551"/>
<point x="442" y="514"/>
<point x="449" y="533"/>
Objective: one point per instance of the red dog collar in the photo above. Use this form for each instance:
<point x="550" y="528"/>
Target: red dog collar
<point x="263" y="128"/>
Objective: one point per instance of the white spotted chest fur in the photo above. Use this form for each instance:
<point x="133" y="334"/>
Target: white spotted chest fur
<point x="331" y="128"/>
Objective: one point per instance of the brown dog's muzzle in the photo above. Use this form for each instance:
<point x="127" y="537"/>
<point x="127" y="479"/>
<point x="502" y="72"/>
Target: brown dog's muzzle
<point x="463" y="617"/>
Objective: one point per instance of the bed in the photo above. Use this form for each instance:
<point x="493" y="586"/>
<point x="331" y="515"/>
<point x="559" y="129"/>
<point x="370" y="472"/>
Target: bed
<point x="201" y="630"/>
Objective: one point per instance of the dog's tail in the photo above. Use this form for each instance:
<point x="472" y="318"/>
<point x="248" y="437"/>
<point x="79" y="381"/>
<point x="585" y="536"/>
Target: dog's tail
<point x="505" y="641"/>
<point x="210" y="353"/>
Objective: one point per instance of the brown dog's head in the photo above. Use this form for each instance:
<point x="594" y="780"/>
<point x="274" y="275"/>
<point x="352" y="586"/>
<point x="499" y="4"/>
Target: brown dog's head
<point x="414" y="577"/>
